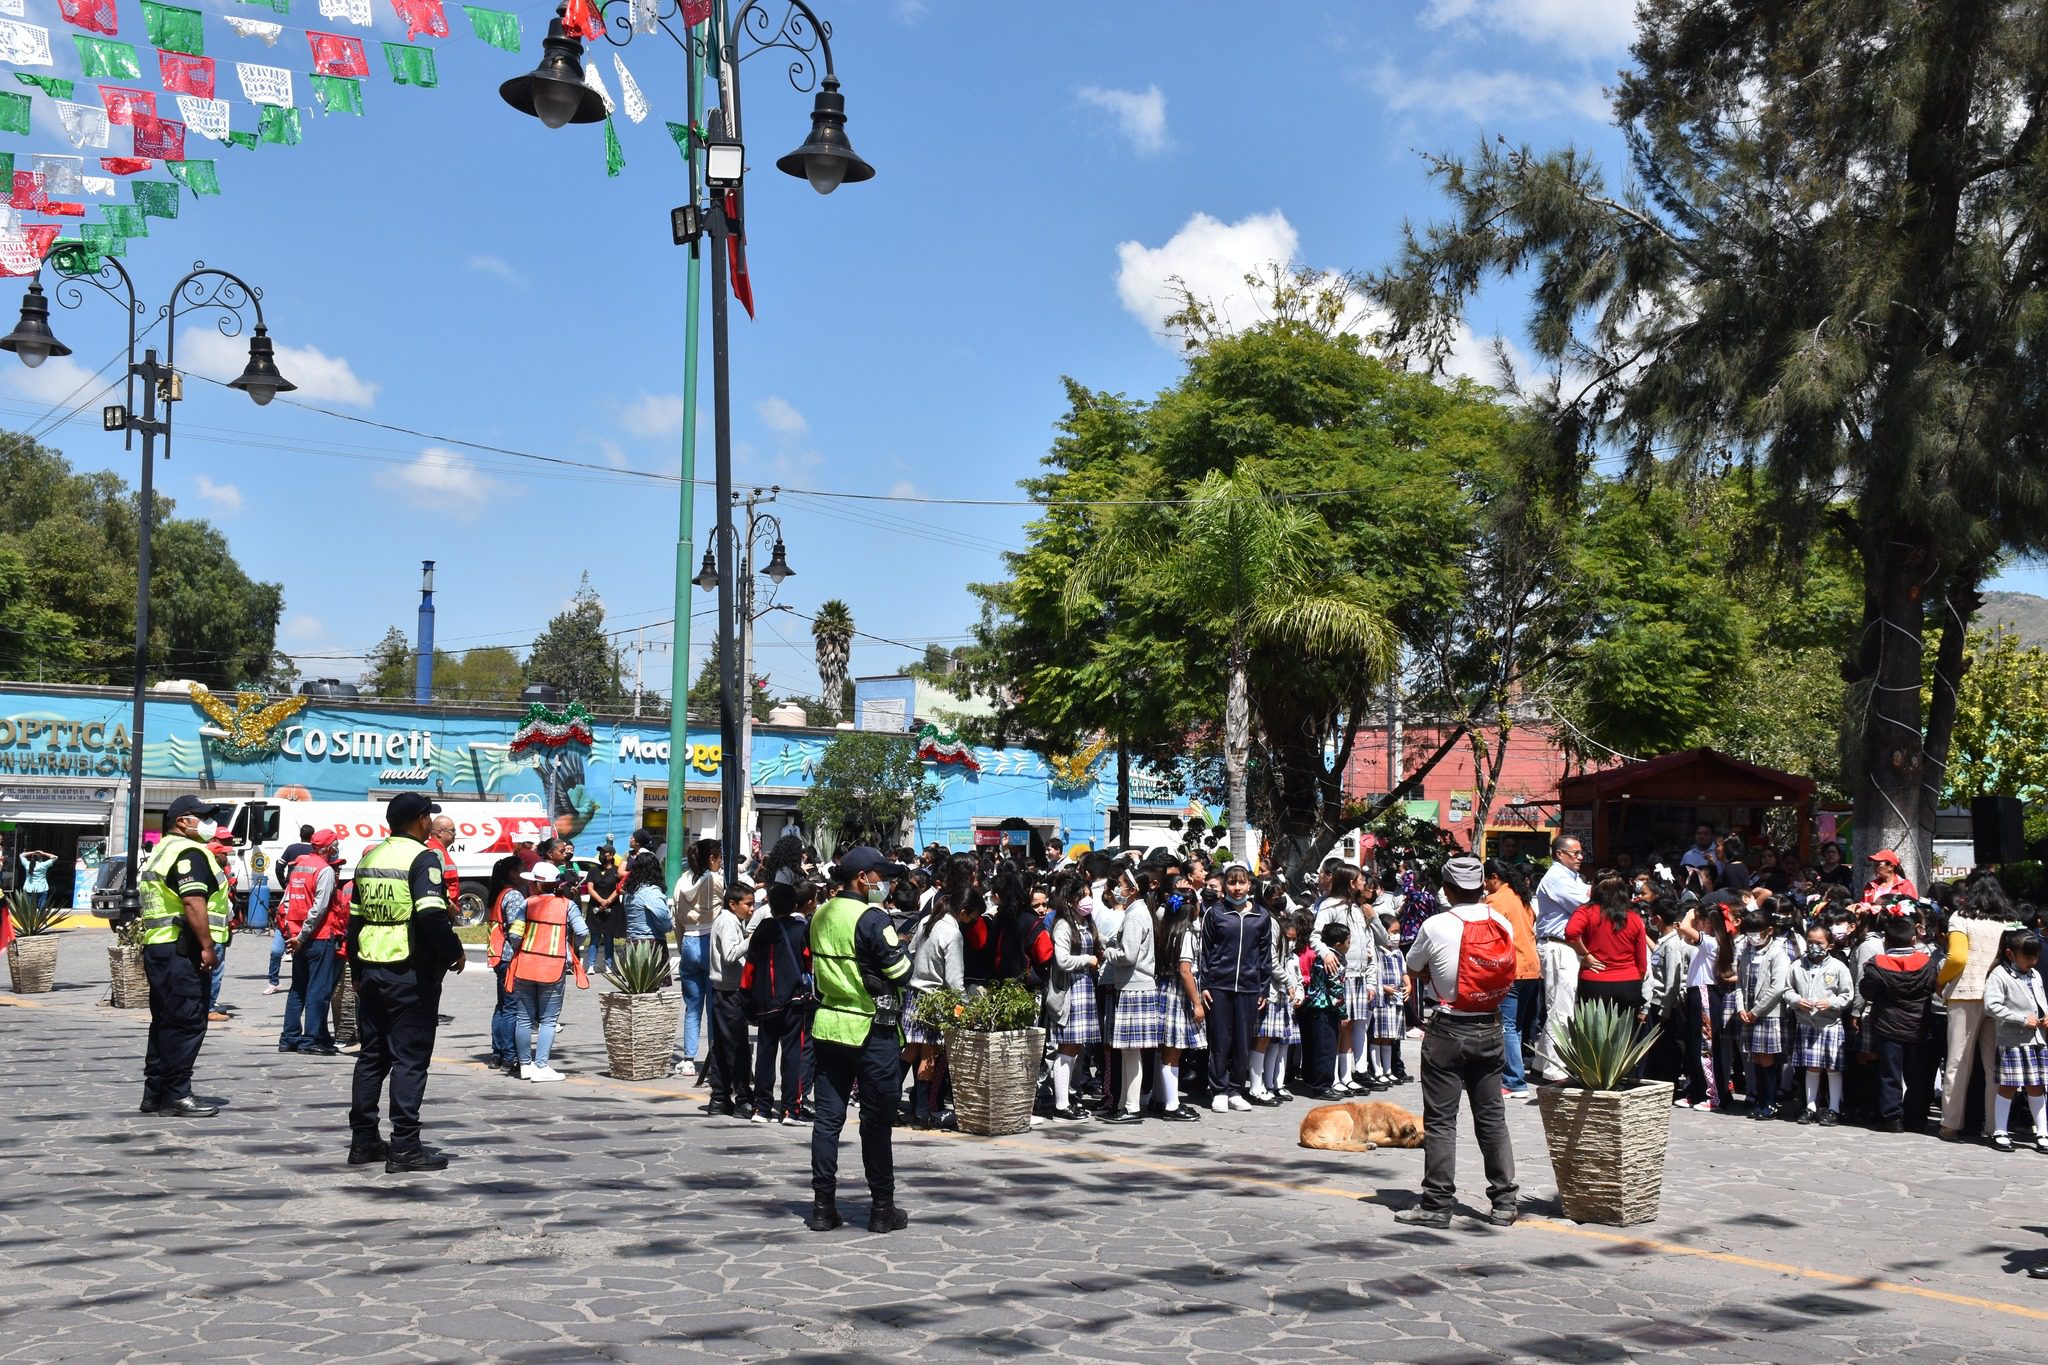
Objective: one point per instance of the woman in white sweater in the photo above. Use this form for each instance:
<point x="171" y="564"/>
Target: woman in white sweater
<point x="700" y="891"/>
<point x="2014" y="1001"/>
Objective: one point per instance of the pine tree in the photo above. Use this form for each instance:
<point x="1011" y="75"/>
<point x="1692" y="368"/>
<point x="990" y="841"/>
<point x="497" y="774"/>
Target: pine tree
<point x="575" y="654"/>
<point x="1829" y="270"/>
<point x="388" y="672"/>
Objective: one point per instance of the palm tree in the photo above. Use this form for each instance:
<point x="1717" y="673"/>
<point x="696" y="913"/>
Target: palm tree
<point x="832" y="629"/>
<point x="1263" y="570"/>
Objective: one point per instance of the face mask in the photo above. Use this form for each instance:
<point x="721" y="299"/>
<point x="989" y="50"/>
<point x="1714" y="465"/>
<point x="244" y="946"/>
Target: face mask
<point x="878" y="893"/>
<point x="207" y="829"/>
<point x="1757" y="940"/>
<point x="1838" y="932"/>
<point x="1816" y="951"/>
<point x="1234" y="902"/>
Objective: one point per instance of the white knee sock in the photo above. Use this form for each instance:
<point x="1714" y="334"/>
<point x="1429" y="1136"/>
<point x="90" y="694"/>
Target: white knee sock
<point x="2037" y="1105"/>
<point x="1169" y="1085"/>
<point x="1812" y="1088"/>
<point x="1062" y="1079"/>
<point x="1360" y="1041"/>
<point x="2001" y="1113"/>
<point x="1835" y="1091"/>
<point x="1383" y="1058"/>
<point x="1261" y="1064"/>
<point x="1276" y="1066"/>
<point x="1131" y="1061"/>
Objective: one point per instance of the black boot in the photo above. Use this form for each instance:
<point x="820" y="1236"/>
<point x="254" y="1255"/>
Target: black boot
<point x="886" y="1217"/>
<point x="824" y="1214"/>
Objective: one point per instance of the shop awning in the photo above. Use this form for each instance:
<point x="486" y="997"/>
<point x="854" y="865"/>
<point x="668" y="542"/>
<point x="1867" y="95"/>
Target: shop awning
<point x="84" y="813"/>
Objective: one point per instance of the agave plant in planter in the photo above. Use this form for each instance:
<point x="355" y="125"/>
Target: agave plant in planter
<point x="992" y="1051"/>
<point x="130" y="988"/>
<point x="32" y="959"/>
<point x="640" y="1012"/>
<point x="1607" y="1130"/>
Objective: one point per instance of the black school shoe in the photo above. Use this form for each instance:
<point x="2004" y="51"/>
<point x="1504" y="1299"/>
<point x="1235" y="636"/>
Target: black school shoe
<point x="1122" y="1116"/>
<point x="424" y="1159"/>
<point x="368" y="1154"/>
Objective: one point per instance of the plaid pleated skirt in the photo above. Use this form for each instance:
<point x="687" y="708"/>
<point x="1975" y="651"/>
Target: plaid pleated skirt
<point x="1767" y="1035"/>
<point x="1726" y="1006"/>
<point x="1179" y="1026"/>
<point x="1359" y="991"/>
<point x="2026" y="1065"/>
<point x="1818" y="1047"/>
<point x="1389" y="1012"/>
<point x="1084" y="1023"/>
<point x="1140" y="1018"/>
<point x="1279" y="1023"/>
<point x="914" y="1032"/>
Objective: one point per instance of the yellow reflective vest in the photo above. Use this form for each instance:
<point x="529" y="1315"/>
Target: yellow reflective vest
<point x="163" y="908"/>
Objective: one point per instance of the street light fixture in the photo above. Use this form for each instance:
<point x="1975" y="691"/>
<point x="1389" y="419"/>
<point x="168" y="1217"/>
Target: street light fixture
<point x="33" y="342"/>
<point x="826" y="160"/>
<point x="778" y="566"/>
<point x="554" y="92"/>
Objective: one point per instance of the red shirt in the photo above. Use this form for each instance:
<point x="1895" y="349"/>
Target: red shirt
<point x="447" y="870"/>
<point x="1626" y="953"/>
<point x="1899" y="887"/>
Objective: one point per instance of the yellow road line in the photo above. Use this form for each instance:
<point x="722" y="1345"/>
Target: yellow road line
<point x="1551" y="1225"/>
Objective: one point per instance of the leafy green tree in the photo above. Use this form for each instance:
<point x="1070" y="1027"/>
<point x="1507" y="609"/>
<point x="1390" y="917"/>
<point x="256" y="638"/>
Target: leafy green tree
<point x="1831" y="265"/>
<point x="485" y="674"/>
<point x="209" y="621"/>
<point x="2001" y="736"/>
<point x="1259" y="574"/>
<point x="389" y="671"/>
<point x="575" y="654"/>
<point x="704" y="690"/>
<point x="868" y="785"/>
<point x="37" y="643"/>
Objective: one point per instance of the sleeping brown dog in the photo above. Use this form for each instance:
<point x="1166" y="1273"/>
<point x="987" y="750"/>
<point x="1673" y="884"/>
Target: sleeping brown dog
<point x="1360" y="1126"/>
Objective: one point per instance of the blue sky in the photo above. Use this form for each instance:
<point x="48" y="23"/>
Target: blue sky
<point x="448" y="266"/>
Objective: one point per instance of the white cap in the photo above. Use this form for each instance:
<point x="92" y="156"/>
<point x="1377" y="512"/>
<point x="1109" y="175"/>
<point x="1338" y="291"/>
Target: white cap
<point x="542" y="874"/>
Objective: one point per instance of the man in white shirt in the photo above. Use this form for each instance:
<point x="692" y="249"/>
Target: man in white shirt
<point x="1463" y="1051"/>
<point x="1561" y="892"/>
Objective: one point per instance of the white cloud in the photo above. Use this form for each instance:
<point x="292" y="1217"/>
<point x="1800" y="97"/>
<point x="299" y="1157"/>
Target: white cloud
<point x="485" y="264"/>
<point x="321" y="378"/>
<point x="225" y="497"/>
<point x="614" y="454"/>
<point x="654" y="414"/>
<point x="1581" y="28"/>
<point x="1211" y="258"/>
<point x="905" y="489"/>
<point x="780" y="416"/>
<point x="302" y="629"/>
<point x="1487" y="96"/>
<point x="1140" y="115"/>
<point x="60" y="380"/>
<point x="450" y="480"/>
<point x="910" y="11"/>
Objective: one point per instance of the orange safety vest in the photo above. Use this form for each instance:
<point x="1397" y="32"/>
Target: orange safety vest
<point x="544" y="943"/>
<point x="299" y="884"/>
<point x="496" y="917"/>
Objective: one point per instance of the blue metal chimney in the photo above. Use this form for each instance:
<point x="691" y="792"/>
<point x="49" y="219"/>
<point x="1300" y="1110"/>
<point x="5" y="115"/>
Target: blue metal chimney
<point x="423" y="674"/>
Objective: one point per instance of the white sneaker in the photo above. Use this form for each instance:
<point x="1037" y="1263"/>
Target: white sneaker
<point x="526" y="1070"/>
<point x="1241" y="1104"/>
<point x="545" y="1073"/>
<point x="272" y="989"/>
<point x="1259" y="1092"/>
<point x="1681" y="1103"/>
<point x="1221" y="1104"/>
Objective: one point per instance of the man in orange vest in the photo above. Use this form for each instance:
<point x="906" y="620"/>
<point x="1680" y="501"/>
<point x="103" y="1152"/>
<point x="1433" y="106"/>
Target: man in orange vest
<point x="311" y="926"/>
<point x="542" y="934"/>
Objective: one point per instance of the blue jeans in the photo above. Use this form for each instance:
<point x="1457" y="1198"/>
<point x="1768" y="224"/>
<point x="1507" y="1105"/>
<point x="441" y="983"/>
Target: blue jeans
<point x="504" y="1019"/>
<point x="220" y="971"/>
<point x="276" y="953"/>
<point x="315" y="970"/>
<point x="694" y="976"/>
<point x="608" y="948"/>
<point x="540" y="1002"/>
<point x="1519" y="1015"/>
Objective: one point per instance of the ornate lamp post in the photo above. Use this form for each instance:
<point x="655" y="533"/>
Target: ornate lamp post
<point x="32" y="341"/>
<point x="554" y="93"/>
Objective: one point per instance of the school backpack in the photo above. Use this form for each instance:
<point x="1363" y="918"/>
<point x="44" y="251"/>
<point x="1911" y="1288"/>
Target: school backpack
<point x="1486" y="966"/>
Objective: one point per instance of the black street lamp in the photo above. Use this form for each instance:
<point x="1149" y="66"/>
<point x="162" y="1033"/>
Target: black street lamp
<point x="826" y="160"/>
<point x="33" y="342"/>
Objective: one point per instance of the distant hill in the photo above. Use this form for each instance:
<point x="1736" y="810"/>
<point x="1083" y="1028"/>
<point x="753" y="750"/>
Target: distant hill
<point x="2022" y="611"/>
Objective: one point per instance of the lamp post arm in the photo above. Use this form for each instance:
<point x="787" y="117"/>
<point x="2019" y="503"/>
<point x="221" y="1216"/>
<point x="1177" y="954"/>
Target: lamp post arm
<point x="228" y="292"/>
<point x="68" y="294"/>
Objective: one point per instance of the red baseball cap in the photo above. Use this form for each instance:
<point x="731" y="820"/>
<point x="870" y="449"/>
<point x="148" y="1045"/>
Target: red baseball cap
<point x="1885" y="855"/>
<point x="325" y="838"/>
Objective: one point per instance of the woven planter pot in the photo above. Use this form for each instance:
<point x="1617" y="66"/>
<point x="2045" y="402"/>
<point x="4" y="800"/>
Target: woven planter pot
<point x="640" y="1033"/>
<point x="1607" y="1150"/>
<point x="131" y="982"/>
<point x="995" y="1078"/>
<point x="32" y="964"/>
<point x="341" y="1008"/>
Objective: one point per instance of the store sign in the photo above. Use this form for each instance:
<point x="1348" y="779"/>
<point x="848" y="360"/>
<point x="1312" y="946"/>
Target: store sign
<point x="703" y="757"/>
<point x="31" y="746"/>
<point x="358" y="746"/>
<point x="55" y="795"/>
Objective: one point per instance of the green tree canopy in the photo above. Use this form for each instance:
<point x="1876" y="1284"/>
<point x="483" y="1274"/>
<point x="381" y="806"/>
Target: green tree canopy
<point x="575" y="654"/>
<point x="868" y="785"/>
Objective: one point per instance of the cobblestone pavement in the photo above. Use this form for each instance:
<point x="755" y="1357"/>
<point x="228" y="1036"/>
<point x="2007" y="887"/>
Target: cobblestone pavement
<point x="600" y="1220"/>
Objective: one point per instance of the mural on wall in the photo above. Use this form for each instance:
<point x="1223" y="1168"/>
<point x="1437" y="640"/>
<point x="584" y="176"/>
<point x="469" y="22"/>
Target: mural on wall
<point x="1076" y="772"/>
<point x="251" y="722"/>
<point x="558" y="743"/>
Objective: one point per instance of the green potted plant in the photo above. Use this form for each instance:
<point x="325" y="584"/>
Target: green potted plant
<point x="640" y="1012"/>
<point x="993" y="1051"/>
<point x="1606" y="1130"/>
<point x="32" y="959"/>
<point x="124" y="967"/>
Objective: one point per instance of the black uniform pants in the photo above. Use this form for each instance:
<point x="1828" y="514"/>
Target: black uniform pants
<point x="730" y="1073"/>
<point x="178" y="988"/>
<point x="876" y="1065"/>
<point x="396" y="1005"/>
<point x="778" y="1049"/>
<point x="1462" y="1058"/>
<point x="1233" y="1023"/>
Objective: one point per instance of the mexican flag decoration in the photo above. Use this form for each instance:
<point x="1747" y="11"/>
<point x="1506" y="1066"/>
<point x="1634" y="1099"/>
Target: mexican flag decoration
<point x="339" y="94"/>
<point x="335" y="54"/>
<point x="97" y="15"/>
<point x="494" y="26"/>
<point x="422" y="16"/>
<point x="172" y="29"/>
<point x="99" y="57"/>
<point x="185" y="75"/>
<point x="197" y="176"/>
<point x="13" y="112"/>
<point x="548" y="729"/>
<point x="411" y="65"/>
<point x="942" y="746"/>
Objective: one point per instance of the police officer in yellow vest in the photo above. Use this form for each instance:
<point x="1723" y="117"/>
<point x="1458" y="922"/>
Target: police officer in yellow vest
<point x="184" y="924"/>
<point x="860" y="968"/>
<point x="401" y="944"/>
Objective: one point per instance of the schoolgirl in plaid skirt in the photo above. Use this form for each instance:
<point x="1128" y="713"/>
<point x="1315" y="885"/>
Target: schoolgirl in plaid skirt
<point x="2015" y="1001"/>
<point x="1179" y="1032"/>
<point x="1284" y="991"/>
<point x="1083" y="1026"/>
<point x="1819" y="1047"/>
<point x="2023" y="1067"/>
<point x="1070" y="989"/>
<point x="1140" y="1020"/>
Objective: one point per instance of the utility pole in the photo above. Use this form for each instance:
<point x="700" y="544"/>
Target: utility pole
<point x="745" y="614"/>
